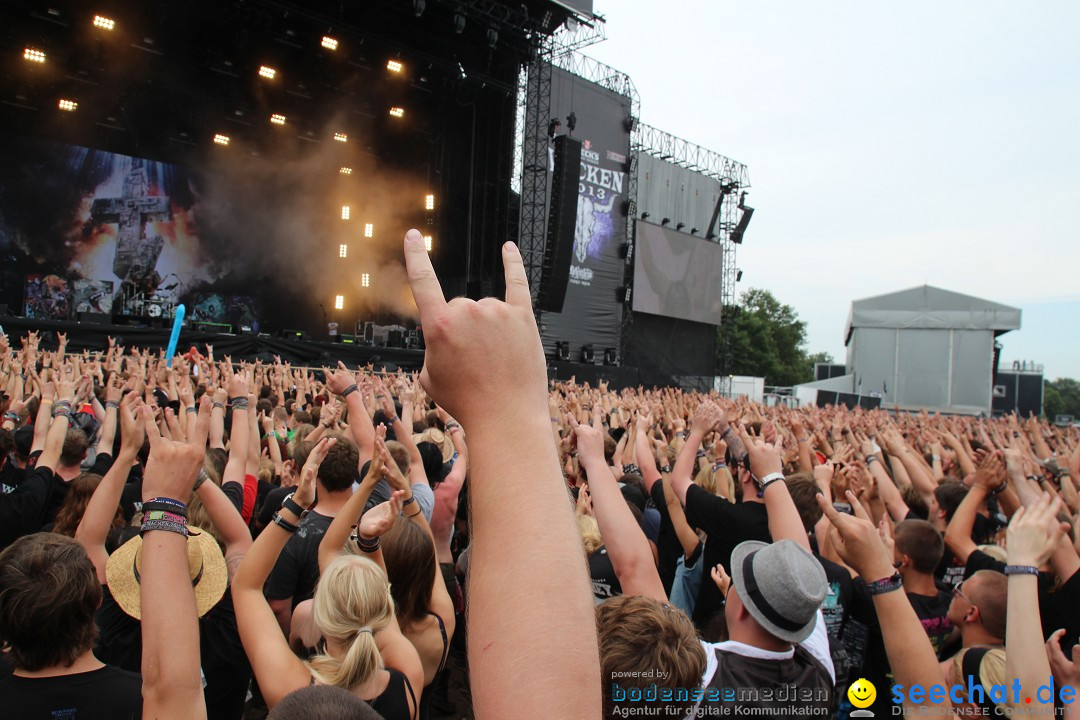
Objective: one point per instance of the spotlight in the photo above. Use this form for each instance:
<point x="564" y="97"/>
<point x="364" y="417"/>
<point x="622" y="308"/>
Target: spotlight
<point x="665" y="222"/>
<point x="221" y="139"/>
<point x="611" y="357"/>
<point x="738" y="276"/>
<point x="397" y="112"/>
<point x="369" y="230"/>
<point x="343" y="251"/>
<point x="459" y="23"/>
<point x="345" y="171"/>
<point x="339" y="302"/>
<point x="365" y="280"/>
<point x="68" y="105"/>
<point x="429" y="202"/>
<point x="571" y="122"/>
<point x="492" y="38"/>
<point x="394" y="66"/>
<point x="341" y="137"/>
<point x="427" y="243"/>
<point x="277" y="119"/>
<point x="693" y="231"/>
<point x="419" y="6"/>
<point x="329" y="43"/>
<point x="588" y="355"/>
<point x="267" y="72"/>
<point x="644" y="216"/>
<point x="680" y="226"/>
<point x="34" y="55"/>
<point x="104" y="23"/>
<point x="345" y="212"/>
<point x="562" y="351"/>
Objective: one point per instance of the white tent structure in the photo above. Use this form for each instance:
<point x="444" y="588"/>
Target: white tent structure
<point x="926" y="348"/>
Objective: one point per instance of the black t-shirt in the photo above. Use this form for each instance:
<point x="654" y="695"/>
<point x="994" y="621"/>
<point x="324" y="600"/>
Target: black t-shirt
<point x="1063" y="605"/>
<point x="271" y="504"/>
<point x="107" y="693"/>
<point x="222" y="658"/>
<point x="836" y="608"/>
<point x="668" y="547"/>
<point x="727" y="525"/>
<point x="978" y="560"/>
<point x="11" y="477"/>
<point x="604" y="581"/>
<point x="933" y="613"/>
<point x="31" y="506"/>
<point x="297" y="569"/>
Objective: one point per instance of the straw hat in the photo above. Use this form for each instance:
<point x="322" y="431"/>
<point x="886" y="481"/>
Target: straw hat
<point x="206" y="566"/>
<point x="439" y="438"/>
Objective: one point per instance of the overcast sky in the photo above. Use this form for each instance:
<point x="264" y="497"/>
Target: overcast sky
<point x="889" y="145"/>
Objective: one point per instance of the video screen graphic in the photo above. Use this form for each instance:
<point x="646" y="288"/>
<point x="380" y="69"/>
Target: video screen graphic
<point x="677" y="275"/>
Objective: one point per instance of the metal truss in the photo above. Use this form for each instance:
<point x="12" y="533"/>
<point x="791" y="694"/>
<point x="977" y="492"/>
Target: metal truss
<point x="575" y="34"/>
<point x="690" y="156"/>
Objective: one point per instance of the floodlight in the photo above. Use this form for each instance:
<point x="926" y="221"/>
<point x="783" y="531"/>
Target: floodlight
<point x="345" y="212"/>
<point x="329" y="43"/>
<point x="394" y="66"/>
<point x="68" y="105"/>
<point x="104" y="23"/>
<point x="345" y="171"/>
<point x="221" y="139"/>
<point x="343" y="250"/>
<point x="277" y="119"/>
<point x="34" y="55"/>
<point x="339" y="302"/>
<point x="397" y="112"/>
<point x="369" y="230"/>
<point x="429" y="202"/>
<point x="341" y="137"/>
<point x="427" y="243"/>
<point x="267" y="72"/>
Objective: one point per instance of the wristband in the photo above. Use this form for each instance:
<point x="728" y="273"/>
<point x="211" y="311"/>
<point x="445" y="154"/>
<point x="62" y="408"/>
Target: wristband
<point x="418" y="511"/>
<point x="219" y="405"/>
<point x="885" y="585"/>
<point x="154" y="515"/>
<point x="238" y="403"/>
<point x="284" y="524"/>
<point x="179" y="528"/>
<point x="410" y="501"/>
<point x="871" y="459"/>
<point x="111" y="405"/>
<point x="665" y="468"/>
<point x="292" y="506"/>
<point x="368" y="545"/>
<point x="766" y="482"/>
<point x="1021" y="570"/>
<point x="999" y="489"/>
<point x="803" y="440"/>
<point x="631" y="469"/>
<point x="192" y="410"/>
<point x="203" y="477"/>
<point x="349" y="390"/>
<point x="392" y="419"/>
<point x="718" y="465"/>
<point x="11" y="416"/>
<point x="65" y="414"/>
<point x="167" y="504"/>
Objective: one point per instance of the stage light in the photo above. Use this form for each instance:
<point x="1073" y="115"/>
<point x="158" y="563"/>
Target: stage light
<point x="738" y="276"/>
<point x="221" y="139"/>
<point x="369" y="230"/>
<point x="429" y="202"/>
<point x="419" y="6"/>
<point x="277" y="119"/>
<point x="394" y="66"/>
<point x="345" y="171"/>
<point x="427" y="243"/>
<point x="339" y="302"/>
<point x="588" y="354"/>
<point x="492" y="38"/>
<point x="341" y="137"/>
<point x="680" y="226"/>
<point x="343" y="251"/>
<point x="665" y="222"/>
<point x="104" y="23"/>
<point x="267" y="72"/>
<point x="329" y="43"/>
<point x="34" y="55"/>
<point x="397" y="112"/>
<point x="459" y="23"/>
<point x="644" y="216"/>
<point x="68" y="105"/>
<point x="365" y="280"/>
<point x="345" y="212"/>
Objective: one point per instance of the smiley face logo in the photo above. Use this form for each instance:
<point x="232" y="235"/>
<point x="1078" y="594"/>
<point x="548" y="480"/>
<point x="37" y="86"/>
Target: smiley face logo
<point x="862" y="693"/>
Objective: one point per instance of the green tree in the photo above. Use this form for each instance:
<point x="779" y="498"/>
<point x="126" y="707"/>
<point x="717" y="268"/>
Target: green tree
<point x="1061" y="397"/>
<point x="768" y="340"/>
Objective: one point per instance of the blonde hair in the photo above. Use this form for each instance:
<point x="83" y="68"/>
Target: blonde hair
<point x="197" y="514"/>
<point x="716" y="482"/>
<point x="352" y="603"/>
<point x="590" y="533"/>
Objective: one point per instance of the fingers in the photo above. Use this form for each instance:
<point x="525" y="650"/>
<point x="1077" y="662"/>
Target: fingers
<point x="202" y="424"/>
<point x="150" y="425"/>
<point x="426" y="290"/>
<point x="517" y="284"/>
<point x="857" y="507"/>
<point x="828" y="509"/>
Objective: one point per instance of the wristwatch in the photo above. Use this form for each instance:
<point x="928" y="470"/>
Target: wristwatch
<point x="289" y="504"/>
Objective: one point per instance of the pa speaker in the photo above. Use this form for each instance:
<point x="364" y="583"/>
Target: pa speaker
<point x="562" y="220"/>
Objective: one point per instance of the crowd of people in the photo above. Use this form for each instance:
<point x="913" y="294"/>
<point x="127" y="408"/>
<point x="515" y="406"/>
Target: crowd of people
<point x="193" y="537"/>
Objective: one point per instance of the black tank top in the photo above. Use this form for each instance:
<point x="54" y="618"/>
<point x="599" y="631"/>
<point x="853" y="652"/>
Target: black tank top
<point x="397" y="700"/>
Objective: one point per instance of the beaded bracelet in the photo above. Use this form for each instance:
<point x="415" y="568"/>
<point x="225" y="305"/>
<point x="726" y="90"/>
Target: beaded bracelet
<point x="166" y="525"/>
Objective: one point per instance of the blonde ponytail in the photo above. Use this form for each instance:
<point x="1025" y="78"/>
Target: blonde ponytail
<point x="352" y="603"/>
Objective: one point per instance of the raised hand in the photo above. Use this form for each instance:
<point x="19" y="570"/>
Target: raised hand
<point x="378" y="520"/>
<point x="858" y="541"/>
<point x="478" y="350"/>
<point x="1033" y="533"/>
<point x="172" y="467"/>
<point x="305" y="490"/>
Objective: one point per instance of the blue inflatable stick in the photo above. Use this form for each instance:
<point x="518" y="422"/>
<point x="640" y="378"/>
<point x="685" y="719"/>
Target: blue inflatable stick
<point x="175" y="337"/>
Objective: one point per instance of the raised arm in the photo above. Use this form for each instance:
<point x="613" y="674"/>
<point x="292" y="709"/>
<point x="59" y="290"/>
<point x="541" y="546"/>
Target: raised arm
<point x="767" y="465"/>
<point x="342" y="382"/>
<point x="989" y="476"/>
<point x="705" y="418"/>
<point x="114" y="393"/>
<point x="627" y="546"/>
<point x="1031" y="538"/>
<point x="911" y="656"/>
<point x="485" y="364"/>
<point x="172" y="682"/>
<point x="349" y="516"/>
<point x="97" y="518"/>
<point x="277" y="670"/>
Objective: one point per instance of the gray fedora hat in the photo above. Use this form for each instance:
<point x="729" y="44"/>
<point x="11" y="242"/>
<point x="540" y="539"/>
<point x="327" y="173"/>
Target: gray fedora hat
<point x="781" y="585"/>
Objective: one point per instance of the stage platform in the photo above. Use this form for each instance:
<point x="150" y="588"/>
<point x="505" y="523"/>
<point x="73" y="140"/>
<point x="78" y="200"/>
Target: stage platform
<point x="314" y="353"/>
